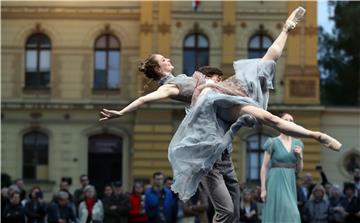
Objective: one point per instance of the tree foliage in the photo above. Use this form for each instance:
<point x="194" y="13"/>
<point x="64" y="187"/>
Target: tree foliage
<point x="339" y="57"/>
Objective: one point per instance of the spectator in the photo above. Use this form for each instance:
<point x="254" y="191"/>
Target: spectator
<point x="324" y="180"/>
<point x="4" y="198"/>
<point x="168" y="182"/>
<point x="335" y="202"/>
<point x="178" y="214"/>
<point x="137" y="199"/>
<point x="357" y="180"/>
<point x="349" y="204"/>
<point x="301" y="197"/>
<point x="307" y="185"/>
<point x="108" y="191"/>
<point x="91" y="209"/>
<point x="255" y="197"/>
<point x="195" y="210"/>
<point x="248" y="208"/>
<point x="78" y="193"/>
<point x="65" y="186"/>
<point x="35" y="209"/>
<point x="159" y="203"/>
<point x="20" y="183"/>
<point x="117" y="207"/>
<point x="316" y="209"/>
<point x="14" y="211"/>
<point x="60" y="210"/>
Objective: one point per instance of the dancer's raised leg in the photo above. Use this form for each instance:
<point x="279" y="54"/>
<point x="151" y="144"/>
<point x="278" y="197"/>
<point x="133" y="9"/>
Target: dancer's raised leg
<point x="275" y="50"/>
<point x="288" y="128"/>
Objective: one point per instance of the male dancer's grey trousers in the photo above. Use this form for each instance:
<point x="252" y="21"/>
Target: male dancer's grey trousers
<point x="223" y="189"/>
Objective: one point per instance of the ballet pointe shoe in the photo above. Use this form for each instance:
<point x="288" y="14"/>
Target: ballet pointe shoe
<point x="296" y="16"/>
<point x="329" y="142"/>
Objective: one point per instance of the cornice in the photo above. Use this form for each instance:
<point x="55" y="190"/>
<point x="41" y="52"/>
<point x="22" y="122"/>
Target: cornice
<point x="16" y="12"/>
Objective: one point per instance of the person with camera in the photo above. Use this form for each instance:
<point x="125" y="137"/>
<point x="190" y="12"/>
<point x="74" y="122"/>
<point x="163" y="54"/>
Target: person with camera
<point x="35" y="207"/>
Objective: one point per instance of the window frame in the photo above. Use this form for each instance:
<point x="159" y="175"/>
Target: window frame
<point x="259" y="152"/>
<point x="196" y="50"/>
<point x="107" y="51"/>
<point x="35" y="148"/>
<point x="38" y="50"/>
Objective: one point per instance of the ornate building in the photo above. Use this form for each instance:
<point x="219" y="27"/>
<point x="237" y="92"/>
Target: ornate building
<point x="63" y="61"/>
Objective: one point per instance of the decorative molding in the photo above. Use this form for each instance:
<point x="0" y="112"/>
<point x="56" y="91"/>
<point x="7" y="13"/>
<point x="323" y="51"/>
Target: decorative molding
<point x="295" y="31"/>
<point x="164" y="28"/>
<point x="229" y="29"/>
<point x="302" y="88"/>
<point x="196" y="28"/>
<point x="311" y="30"/>
<point x="107" y="29"/>
<point x="12" y="12"/>
<point x="215" y="24"/>
<point x="178" y="24"/>
<point x="297" y="70"/>
<point x="35" y="115"/>
<point x="146" y="28"/>
<point x="243" y="25"/>
<point x="38" y="28"/>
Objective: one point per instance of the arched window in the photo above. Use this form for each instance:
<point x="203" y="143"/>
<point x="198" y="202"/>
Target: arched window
<point x="254" y="155"/>
<point x="258" y="45"/>
<point x="107" y="62"/>
<point x="35" y="156"/>
<point x="195" y="53"/>
<point x="38" y="59"/>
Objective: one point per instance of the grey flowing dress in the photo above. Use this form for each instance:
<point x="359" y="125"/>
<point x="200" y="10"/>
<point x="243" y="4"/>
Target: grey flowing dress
<point x="203" y="134"/>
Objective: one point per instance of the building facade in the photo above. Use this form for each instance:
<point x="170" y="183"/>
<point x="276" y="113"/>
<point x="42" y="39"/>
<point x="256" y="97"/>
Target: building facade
<point x="63" y="61"/>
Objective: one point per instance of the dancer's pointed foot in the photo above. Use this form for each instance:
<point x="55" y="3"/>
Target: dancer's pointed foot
<point x="329" y="142"/>
<point x="296" y="16"/>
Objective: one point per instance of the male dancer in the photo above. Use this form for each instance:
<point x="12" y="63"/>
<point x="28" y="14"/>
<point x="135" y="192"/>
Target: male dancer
<point x="221" y="183"/>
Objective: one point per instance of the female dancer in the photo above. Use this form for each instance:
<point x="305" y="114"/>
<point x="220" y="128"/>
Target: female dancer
<point x="208" y="129"/>
<point x="278" y="185"/>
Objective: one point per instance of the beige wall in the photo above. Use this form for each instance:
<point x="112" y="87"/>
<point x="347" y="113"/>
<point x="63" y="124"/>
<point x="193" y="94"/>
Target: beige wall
<point x="343" y="124"/>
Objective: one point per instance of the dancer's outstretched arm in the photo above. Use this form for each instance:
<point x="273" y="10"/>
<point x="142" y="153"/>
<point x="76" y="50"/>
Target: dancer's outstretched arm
<point x="263" y="173"/>
<point x="165" y="91"/>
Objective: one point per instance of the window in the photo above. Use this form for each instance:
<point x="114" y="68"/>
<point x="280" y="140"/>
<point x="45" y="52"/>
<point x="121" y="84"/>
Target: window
<point x="254" y="155"/>
<point x="258" y="46"/>
<point x="38" y="59"/>
<point x="195" y="53"/>
<point x="107" y="62"/>
<point x="35" y="156"/>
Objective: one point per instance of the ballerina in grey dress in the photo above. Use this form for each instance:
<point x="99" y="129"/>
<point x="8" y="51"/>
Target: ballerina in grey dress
<point x="218" y="111"/>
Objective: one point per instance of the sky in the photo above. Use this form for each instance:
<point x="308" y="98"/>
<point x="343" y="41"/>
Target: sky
<point x="323" y="16"/>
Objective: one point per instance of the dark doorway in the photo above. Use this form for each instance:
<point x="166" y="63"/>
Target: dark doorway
<point x="105" y="160"/>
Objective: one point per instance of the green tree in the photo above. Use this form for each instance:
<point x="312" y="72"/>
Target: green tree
<point x="339" y="57"/>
